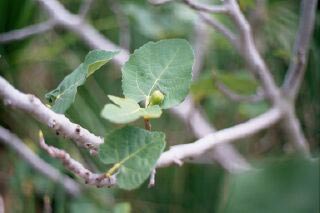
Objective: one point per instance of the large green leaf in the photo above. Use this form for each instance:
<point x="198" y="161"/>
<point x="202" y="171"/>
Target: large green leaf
<point x="134" y="153"/>
<point x="165" y="65"/>
<point x="127" y="110"/>
<point x="63" y="96"/>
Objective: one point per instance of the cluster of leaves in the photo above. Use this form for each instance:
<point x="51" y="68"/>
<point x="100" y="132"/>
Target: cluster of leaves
<point x="157" y="76"/>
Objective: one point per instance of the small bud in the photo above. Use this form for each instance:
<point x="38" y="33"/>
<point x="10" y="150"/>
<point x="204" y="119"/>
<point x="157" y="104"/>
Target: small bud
<point x="156" y="98"/>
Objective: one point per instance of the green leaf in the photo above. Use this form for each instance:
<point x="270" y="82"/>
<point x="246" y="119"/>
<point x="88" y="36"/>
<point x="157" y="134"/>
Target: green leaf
<point x="134" y="153"/>
<point x="165" y="65"/>
<point x="63" y="96"/>
<point x="127" y="110"/>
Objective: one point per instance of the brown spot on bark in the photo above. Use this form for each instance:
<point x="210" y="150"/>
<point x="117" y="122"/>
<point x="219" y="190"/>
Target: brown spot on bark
<point x="77" y="129"/>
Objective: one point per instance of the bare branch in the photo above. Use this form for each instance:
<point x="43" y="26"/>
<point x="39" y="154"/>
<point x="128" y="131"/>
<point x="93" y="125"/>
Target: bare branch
<point x="206" y="8"/>
<point x="236" y="97"/>
<point x="76" y="167"/>
<point x="81" y="28"/>
<point x="57" y="122"/>
<point x="258" y="67"/>
<point x="193" y="150"/>
<point x="37" y="163"/>
<point x="250" y="53"/>
<point x="159" y="2"/>
<point x="220" y="28"/>
<point x="299" y="58"/>
<point x="26" y="32"/>
<point x="200" y="46"/>
<point x="225" y="154"/>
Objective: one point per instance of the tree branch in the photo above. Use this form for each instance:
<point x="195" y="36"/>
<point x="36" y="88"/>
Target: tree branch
<point x="37" y="163"/>
<point x="236" y="97"/>
<point x="211" y="21"/>
<point x="206" y="8"/>
<point x="57" y="122"/>
<point x="250" y="53"/>
<point x="225" y="154"/>
<point x="26" y="32"/>
<point x="299" y="57"/>
<point x="76" y="167"/>
<point x="159" y="2"/>
<point x="81" y="28"/>
<point x="200" y="46"/>
<point x="193" y="150"/>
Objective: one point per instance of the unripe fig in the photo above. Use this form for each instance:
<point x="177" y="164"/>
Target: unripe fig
<point x="156" y="98"/>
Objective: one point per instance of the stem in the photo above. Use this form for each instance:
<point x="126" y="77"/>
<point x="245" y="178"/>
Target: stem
<point x="147" y="124"/>
<point x="113" y="169"/>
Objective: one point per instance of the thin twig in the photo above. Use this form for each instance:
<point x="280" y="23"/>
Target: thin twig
<point x="152" y="180"/>
<point x="37" y="163"/>
<point x="47" y="204"/>
<point x="200" y="46"/>
<point x="147" y="124"/>
<point x="214" y="23"/>
<point x="206" y="8"/>
<point x="76" y="167"/>
<point x="159" y="2"/>
<point x="26" y="32"/>
<point x="233" y="96"/>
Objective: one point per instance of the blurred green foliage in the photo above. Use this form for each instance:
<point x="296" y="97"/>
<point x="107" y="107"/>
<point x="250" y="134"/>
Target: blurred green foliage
<point x="36" y="65"/>
<point x="285" y="185"/>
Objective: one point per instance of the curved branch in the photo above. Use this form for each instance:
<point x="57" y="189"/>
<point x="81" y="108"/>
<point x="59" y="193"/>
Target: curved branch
<point x="225" y="154"/>
<point x="180" y="153"/>
<point x="37" y="163"/>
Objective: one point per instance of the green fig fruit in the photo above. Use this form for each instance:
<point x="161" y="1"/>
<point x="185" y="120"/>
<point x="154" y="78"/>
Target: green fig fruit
<point x="156" y="98"/>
